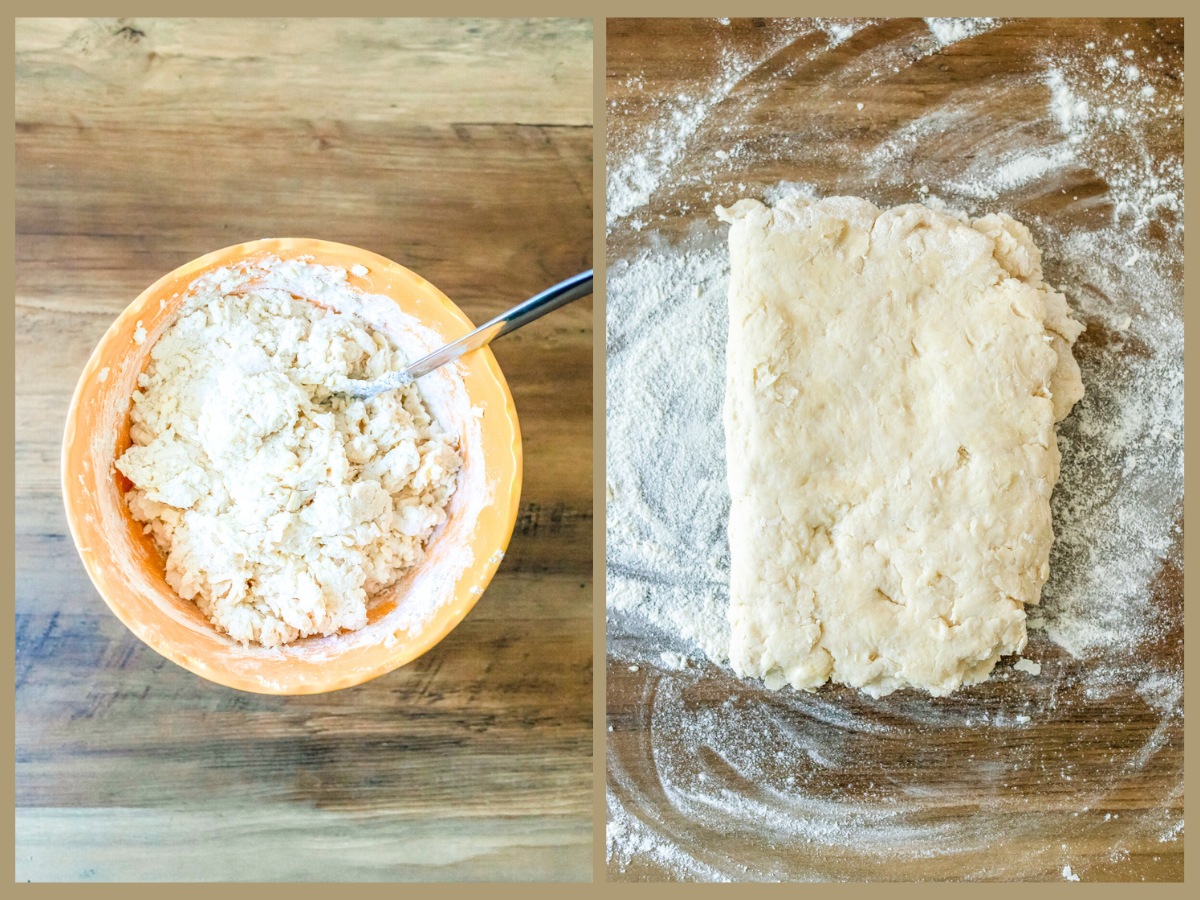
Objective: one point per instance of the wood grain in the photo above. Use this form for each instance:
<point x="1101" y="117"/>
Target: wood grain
<point x="1095" y="780"/>
<point x="459" y="148"/>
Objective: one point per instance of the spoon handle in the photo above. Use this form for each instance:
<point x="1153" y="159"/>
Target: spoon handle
<point x="521" y="314"/>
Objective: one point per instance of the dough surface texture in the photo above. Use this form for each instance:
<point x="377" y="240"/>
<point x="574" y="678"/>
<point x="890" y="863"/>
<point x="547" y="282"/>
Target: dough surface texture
<point x="894" y="378"/>
<point x="281" y="509"/>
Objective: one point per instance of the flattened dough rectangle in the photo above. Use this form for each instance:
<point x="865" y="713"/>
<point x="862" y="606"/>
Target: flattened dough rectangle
<point x="893" y="383"/>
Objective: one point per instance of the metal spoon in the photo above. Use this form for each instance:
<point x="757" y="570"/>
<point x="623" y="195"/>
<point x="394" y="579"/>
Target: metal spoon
<point x="523" y="313"/>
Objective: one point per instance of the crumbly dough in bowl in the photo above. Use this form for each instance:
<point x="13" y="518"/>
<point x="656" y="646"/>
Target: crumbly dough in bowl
<point x="469" y="400"/>
<point x="281" y="509"/>
<point x="894" y="378"/>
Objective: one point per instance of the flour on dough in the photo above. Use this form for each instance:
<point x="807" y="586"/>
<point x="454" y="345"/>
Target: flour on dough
<point x="894" y="378"/>
<point x="281" y="509"/>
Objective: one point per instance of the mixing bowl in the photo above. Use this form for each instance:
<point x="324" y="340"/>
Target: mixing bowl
<point x="469" y="398"/>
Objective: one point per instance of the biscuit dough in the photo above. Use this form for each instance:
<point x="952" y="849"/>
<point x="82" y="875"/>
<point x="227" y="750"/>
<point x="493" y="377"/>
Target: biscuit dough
<point x="281" y="509"/>
<point x="893" y="383"/>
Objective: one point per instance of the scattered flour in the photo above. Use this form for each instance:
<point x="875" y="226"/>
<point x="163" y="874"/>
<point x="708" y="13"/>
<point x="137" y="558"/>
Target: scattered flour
<point x="1108" y="122"/>
<point x="784" y="190"/>
<point x="839" y="32"/>
<point x="648" y="158"/>
<point x="1028" y="665"/>
<point x="673" y="660"/>
<point x="951" y="31"/>
<point x="754" y="765"/>
<point x="627" y="838"/>
<point x="630" y="184"/>
<point x="989" y="178"/>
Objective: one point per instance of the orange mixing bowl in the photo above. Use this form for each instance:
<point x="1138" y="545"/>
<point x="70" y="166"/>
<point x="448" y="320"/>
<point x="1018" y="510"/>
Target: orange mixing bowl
<point x="469" y="398"/>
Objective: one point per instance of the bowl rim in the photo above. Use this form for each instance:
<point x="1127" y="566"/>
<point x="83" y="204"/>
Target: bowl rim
<point x="477" y="574"/>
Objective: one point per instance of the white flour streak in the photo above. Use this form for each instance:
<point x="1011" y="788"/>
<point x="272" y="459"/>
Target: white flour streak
<point x="631" y="184"/>
<point x="840" y="32"/>
<point x="657" y="149"/>
<point x="951" y="31"/>
<point x="988" y="178"/>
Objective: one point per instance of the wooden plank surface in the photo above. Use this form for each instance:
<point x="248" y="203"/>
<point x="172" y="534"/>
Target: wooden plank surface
<point x="714" y="110"/>
<point x="460" y="148"/>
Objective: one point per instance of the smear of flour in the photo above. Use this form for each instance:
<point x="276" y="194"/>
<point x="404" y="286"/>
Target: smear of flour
<point x="627" y="838"/>
<point x="668" y="558"/>
<point x="754" y="765"/>
<point x="990" y="177"/>
<point x="630" y="184"/>
<point x="839" y="32"/>
<point x="951" y="31"/>
<point x="632" y="181"/>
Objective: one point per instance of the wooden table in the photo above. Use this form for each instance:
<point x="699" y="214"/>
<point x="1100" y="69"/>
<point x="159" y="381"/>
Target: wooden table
<point x="808" y="104"/>
<point x="462" y="149"/>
